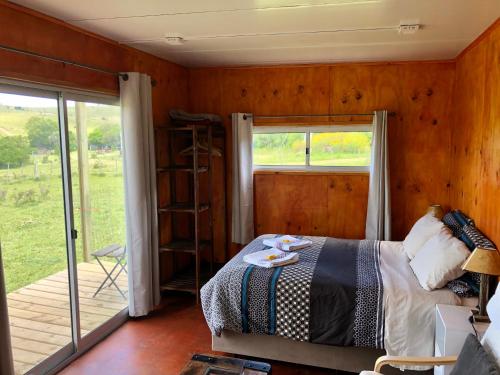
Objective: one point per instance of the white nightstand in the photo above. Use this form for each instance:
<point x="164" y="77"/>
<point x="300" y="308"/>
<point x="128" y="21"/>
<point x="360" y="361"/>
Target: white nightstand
<point x="452" y="327"/>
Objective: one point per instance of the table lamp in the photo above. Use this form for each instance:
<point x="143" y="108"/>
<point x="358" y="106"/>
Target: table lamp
<point x="486" y="262"/>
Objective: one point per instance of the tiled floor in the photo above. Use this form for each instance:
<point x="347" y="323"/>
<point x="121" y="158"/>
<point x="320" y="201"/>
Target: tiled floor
<point x="161" y="344"/>
<point x="164" y="342"/>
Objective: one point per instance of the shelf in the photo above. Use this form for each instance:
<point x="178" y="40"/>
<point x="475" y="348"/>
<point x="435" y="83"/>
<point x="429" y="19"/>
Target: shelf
<point x="182" y="168"/>
<point x="182" y="246"/>
<point x="184" y="282"/>
<point x="183" y="207"/>
<point x="217" y="130"/>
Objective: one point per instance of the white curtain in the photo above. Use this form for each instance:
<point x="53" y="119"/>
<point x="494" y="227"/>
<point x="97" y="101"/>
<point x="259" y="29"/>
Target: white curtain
<point x="378" y="218"/>
<point x="6" y="364"/>
<point x="242" y="212"/>
<point x="140" y="193"/>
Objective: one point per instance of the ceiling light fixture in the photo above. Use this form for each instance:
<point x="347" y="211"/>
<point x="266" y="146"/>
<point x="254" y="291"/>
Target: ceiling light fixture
<point x="409" y="28"/>
<point x="174" y="39"/>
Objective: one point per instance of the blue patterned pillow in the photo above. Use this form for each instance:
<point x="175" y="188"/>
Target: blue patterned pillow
<point x="456" y="220"/>
<point x="473" y="238"/>
<point x="465" y="286"/>
<point x="453" y="224"/>
<point x="464" y="229"/>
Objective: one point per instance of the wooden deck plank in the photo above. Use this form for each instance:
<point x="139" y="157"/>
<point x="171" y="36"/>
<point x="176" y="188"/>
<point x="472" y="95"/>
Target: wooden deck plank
<point x="81" y="292"/>
<point x="27" y="356"/>
<point x="88" y="283"/>
<point x="85" y="318"/>
<point x="42" y="327"/>
<point x="34" y="346"/>
<point x="29" y="334"/>
<point x="40" y="316"/>
<point x="53" y="303"/>
<point x="21" y="368"/>
<point x="83" y="301"/>
<point x="108" y="292"/>
<point x="89" y="278"/>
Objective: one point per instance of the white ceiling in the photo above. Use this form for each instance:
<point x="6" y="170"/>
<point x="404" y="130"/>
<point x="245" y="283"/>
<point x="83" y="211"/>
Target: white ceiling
<point x="255" y="32"/>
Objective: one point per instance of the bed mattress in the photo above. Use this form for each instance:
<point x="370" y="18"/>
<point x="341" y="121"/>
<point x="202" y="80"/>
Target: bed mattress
<point x="341" y="292"/>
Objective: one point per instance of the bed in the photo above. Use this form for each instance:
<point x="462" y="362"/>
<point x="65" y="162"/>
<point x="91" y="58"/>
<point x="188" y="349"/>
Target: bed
<point x="341" y="306"/>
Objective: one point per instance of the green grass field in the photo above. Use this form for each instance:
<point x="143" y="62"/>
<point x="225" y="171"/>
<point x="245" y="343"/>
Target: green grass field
<point x="32" y="228"/>
<point x="326" y="149"/>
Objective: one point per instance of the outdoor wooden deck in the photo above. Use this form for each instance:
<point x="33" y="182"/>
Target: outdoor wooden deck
<point x="39" y="313"/>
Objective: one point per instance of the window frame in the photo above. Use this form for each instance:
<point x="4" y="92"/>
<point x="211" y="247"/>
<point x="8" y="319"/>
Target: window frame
<point x="78" y="345"/>
<point x="308" y="130"/>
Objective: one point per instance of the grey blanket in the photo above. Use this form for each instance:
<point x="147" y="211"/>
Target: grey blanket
<point x="333" y="295"/>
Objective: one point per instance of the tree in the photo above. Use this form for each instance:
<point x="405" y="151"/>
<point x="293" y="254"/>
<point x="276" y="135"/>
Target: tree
<point x="72" y="141"/>
<point x="96" y="138"/>
<point x="14" y="150"/>
<point x="43" y="133"/>
<point x="105" y="136"/>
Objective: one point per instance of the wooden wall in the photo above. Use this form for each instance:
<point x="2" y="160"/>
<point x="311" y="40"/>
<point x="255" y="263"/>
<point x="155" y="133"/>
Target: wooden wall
<point x="476" y="133"/>
<point x="420" y="93"/>
<point x="25" y="29"/>
<point x="315" y="204"/>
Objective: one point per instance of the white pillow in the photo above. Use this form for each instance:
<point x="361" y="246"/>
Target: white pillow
<point x="425" y="227"/>
<point x="440" y="260"/>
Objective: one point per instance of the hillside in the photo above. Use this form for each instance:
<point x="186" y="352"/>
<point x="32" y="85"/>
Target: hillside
<point x="14" y="119"/>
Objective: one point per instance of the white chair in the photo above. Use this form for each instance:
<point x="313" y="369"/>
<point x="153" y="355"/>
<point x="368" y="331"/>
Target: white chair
<point x="490" y="342"/>
<point x="119" y="254"/>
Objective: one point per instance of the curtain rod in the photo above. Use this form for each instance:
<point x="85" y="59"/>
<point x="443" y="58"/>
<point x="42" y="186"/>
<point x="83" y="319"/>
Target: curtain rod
<point x="320" y="115"/>
<point x="69" y="62"/>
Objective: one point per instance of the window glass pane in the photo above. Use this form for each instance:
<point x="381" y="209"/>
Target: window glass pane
<point x="349" y="149"/>
<point x="98" y="203"/>
<point x="32" y="229"/>
<point x="279" y="149"/>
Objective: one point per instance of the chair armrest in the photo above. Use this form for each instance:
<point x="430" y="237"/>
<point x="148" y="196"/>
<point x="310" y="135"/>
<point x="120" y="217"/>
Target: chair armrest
<point x="415" y="361"/>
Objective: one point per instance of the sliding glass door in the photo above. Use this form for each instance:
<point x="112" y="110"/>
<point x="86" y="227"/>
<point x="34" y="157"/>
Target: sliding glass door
<point x="99" y="211"/>
<point x="32" y="228"/>
<point x="62" y="223"/>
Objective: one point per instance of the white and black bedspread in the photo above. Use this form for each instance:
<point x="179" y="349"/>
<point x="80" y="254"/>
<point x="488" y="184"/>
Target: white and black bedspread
<point x="333" y="295"/>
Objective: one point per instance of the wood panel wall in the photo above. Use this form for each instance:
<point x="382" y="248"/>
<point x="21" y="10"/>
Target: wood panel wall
<point x="314" y="204"/>
<point x="420" y="93"/>
<point x="476" y="133"/>
<point x="29" y="30"/>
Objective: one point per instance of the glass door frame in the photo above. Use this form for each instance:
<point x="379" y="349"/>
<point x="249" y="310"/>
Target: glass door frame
<point x="79" y="345"/>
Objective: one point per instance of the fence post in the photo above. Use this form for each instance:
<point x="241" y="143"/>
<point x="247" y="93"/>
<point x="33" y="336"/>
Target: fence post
<point x="83" y="176"/>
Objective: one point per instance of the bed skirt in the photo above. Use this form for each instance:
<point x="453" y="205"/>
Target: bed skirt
<point x="345" y="358"/>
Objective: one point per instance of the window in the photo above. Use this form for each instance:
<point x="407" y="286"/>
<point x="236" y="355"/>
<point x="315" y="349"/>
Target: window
<point x="313" y="147"/>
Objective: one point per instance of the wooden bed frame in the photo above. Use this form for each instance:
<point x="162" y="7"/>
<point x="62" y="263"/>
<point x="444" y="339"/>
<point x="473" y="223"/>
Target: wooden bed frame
<point x="351" y="359"/>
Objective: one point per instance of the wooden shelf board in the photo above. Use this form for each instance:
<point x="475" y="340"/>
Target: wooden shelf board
<point x="184" y="282"/>
<point x="182" y="168"/>
<point x="183" y="207"/>
<point x="182" y="246"/>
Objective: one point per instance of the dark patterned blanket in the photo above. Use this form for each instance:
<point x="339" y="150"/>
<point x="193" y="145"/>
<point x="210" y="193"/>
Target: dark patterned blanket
<point x="333" y="295"/>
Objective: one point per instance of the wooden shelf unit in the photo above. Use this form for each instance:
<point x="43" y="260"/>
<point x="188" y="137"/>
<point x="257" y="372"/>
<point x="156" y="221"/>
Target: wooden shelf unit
<point x="191" y="280"/>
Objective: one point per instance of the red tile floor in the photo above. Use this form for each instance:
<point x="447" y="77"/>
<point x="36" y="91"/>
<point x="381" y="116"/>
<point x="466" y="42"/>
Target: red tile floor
<point x="160" y="344"/>
<point x="163" y="343"/>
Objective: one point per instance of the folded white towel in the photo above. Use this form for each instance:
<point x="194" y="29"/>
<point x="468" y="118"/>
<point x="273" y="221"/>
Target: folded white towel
<point x="287" y="243"/>
<point x="260" y="258"/>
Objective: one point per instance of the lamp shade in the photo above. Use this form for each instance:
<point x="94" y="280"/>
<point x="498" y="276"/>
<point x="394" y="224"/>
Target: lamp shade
<point x="483" y="260"/>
